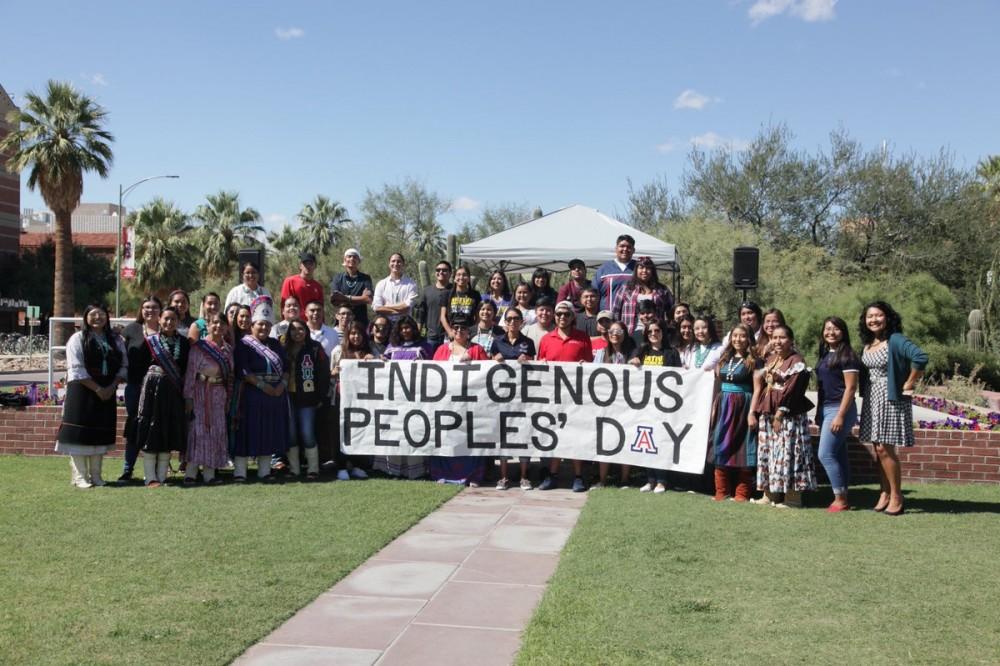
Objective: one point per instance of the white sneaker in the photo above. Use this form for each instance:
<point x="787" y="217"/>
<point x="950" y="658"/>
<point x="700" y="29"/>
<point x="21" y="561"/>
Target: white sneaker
<point x="502" y="484"/>
<point x="646" y="488"/>
<point x="342" y="475"/>
<point x="660" y="488"/>
<point x="525" y="484"/>
<point x="358" y="473"/>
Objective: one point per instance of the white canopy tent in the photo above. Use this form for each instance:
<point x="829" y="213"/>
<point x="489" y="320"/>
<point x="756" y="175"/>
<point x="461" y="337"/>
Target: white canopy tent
<point x="574" y="232"/>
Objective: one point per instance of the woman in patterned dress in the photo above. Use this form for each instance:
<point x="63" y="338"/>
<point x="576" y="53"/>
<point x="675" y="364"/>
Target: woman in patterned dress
<point x="784" y="448"/>
<point x="894" y="365"/>
<point x="207" y="387"/>
<point x="734" y="427"/>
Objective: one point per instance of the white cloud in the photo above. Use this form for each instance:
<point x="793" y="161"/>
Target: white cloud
<point x="807" y="10"/>
<point x="275" y="220"/>
<point x="667" y="146"/>
<point x="289" y="33"/>
<point x="464" y="203"/>
<point x="97" y="79"/>
<point x="692" y="99"/>
<point x="711" y="141"/>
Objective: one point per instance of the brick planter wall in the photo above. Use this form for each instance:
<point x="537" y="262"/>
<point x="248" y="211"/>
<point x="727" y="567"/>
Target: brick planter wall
<point x="32" y="431"/>
<point x="949" y="456"/>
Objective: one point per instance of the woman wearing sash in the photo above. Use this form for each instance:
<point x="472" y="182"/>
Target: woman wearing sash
<point x="162" y="422"/>
<point x="97" y="364"/>
<point x="262" y="425"/>
<point x="207" y="387"/>
<point x="146" y="323"/>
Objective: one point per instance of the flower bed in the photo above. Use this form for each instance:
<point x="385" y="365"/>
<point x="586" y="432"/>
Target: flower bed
<point x="974" y="419"/>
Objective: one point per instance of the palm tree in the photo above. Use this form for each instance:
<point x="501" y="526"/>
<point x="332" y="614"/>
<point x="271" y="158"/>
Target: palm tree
<point x="165" y="256"/>
<point x="428" y="238"/>
<point x="225" y="229"/>
<point x="59" y="138"/>
<point x="284" y="241"/>
<point x="988" y="170"/>
<point x="321" y="223"/>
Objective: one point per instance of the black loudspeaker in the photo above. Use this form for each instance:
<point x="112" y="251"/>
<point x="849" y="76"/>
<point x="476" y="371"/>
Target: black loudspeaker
<point x="745" y="261"/>
<point x="256" y="255"/>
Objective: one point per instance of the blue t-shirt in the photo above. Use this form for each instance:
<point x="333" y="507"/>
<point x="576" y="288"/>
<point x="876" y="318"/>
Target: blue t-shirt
<point x="523" y="345"/>
<point x="831" y="380"/>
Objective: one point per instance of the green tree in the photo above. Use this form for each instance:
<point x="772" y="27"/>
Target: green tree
<point x="321" y="222"/>
<point x="58" y="138"/>
<point x="789" y="195"/>
<point x="988" y="171"/>
<point x="399" y="218"/>
<point x="225" y="229"/>
<point x="165" y="254"/>
<point x="21" y="277"/>
<point x="650" y="207"/>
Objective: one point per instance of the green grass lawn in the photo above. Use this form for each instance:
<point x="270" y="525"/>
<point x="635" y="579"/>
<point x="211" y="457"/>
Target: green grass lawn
<point x="176" y="575"/>
<point x="679" y="578"/>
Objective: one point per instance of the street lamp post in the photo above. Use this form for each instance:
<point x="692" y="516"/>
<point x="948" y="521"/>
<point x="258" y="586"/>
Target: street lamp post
<point x="122" y="193"/>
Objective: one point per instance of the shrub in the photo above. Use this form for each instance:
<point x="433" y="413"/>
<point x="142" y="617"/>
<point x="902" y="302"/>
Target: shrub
<point x="944" y="359"/>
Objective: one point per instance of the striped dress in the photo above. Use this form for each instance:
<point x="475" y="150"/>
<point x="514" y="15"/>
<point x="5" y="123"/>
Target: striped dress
<point x="734" y="444"/>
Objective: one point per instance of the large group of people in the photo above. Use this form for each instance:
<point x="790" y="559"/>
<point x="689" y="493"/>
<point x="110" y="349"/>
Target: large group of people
<point x="252" y="380"/>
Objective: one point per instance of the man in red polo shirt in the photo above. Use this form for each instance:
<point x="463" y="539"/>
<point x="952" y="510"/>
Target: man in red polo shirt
<point x="565" y="343"/>
<point x="303" y="286"/>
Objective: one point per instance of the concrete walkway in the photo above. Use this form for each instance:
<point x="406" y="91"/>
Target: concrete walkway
<point x="458" y="587"/>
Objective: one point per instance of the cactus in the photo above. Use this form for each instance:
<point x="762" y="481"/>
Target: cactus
<point x="975" y="338"/>
<point x="423" y="275"/>
<point x="453" y="250"/>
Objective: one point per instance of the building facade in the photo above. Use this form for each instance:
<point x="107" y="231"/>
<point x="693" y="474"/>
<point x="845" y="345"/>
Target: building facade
<point x="10" y="188"/>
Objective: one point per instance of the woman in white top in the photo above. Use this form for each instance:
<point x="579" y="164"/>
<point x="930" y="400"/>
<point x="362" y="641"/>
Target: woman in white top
<point x="245" y="292"/>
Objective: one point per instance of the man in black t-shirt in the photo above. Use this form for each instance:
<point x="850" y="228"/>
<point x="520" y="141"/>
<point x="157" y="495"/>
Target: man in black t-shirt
<point x="435" y="297"/>
<point x="352" y="287"/>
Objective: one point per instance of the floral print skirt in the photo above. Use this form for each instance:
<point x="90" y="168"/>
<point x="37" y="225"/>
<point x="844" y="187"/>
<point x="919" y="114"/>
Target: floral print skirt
<point x="785" y="456"/>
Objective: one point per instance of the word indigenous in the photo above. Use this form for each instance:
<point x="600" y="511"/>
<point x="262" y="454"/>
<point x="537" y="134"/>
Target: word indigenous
<point x="643" y="416"/>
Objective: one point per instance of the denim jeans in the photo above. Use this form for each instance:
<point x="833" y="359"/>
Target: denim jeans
<point x="132" y="392"/>
<point x="833" y="446"/>
<point x="302" y="427"/>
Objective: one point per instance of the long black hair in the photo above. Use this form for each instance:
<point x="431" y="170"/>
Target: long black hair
<point x="654" y="277"/>
<point x="109" y="333"/>
<point x="893" y="322"/>
<point x="396" y="339"/>
<point x="505" y="289"/>
<point x="713" y="333"/>
<point x="149" y="299"/>
<point x="845" y="355"/>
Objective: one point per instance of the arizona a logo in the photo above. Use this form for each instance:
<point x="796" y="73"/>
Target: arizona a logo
<point x="644" y="440"/>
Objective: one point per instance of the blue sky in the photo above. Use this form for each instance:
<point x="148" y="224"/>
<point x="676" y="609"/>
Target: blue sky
<point x="537" y="103"/>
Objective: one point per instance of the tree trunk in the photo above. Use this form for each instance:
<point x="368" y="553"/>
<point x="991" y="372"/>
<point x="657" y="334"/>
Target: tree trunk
<point x="62" y="290"/>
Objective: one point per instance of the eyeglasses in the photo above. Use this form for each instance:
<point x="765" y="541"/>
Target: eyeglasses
<point x="616" y="332"/>
<point x="461" y="328"/>
<point x="510" y="320"/>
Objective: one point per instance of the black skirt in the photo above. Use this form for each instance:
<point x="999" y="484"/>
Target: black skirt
<point x="162" y="425"/>
<point x="87" y="419"/>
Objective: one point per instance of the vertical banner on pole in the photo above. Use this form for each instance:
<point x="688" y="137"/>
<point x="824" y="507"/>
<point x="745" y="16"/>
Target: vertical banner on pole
<point x="128" y="254"/>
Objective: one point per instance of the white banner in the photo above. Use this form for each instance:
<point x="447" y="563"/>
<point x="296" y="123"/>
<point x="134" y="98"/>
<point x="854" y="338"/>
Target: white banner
<point x="128" y="253"/>
<point x="651" y="417"/>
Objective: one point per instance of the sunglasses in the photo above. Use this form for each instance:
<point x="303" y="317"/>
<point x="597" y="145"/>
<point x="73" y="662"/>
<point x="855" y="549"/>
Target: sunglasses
<point x="442" y="270"/>
<point x="564" y="314"/>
